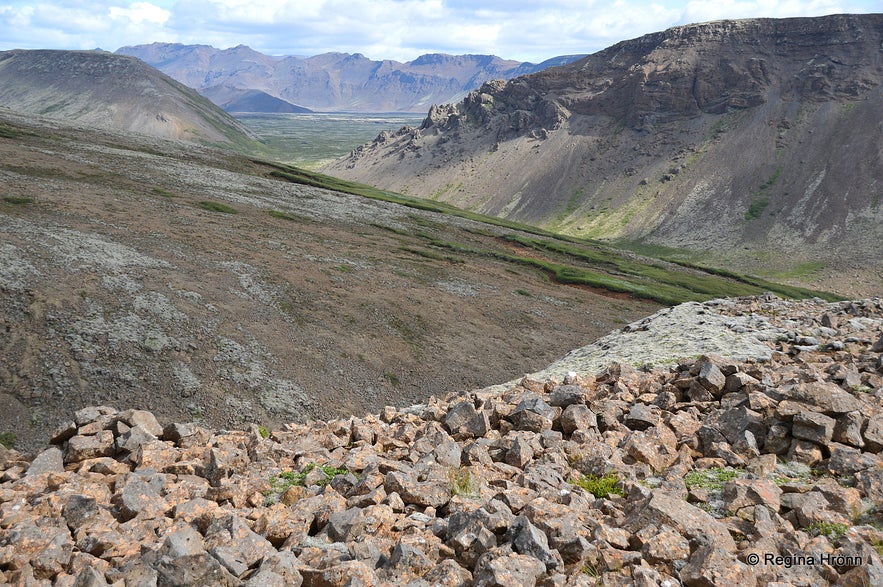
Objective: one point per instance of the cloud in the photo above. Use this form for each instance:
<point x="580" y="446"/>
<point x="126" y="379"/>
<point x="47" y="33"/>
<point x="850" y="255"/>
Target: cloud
<point x="380" y="29"/>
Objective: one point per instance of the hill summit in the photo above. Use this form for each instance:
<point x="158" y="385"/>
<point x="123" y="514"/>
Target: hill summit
<point x="112" y="92"/>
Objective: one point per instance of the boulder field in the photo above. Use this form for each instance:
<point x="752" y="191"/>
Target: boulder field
<point x="706" y="471"/>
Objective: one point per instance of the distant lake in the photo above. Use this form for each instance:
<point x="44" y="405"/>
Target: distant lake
<point x="309" y="140"/>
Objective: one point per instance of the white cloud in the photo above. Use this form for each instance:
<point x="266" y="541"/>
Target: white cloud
<point x="140" y="12"/>
<point x="391" y="29"/>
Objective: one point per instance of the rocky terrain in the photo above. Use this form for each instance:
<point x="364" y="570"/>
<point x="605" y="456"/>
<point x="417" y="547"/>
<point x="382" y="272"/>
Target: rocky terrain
<point x="333" y="81"/>
<point x="102" y="90"/>
<point x="761" y="468"/>
<point x="744" y="143"/>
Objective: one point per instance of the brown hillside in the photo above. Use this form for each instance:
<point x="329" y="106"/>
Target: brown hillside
<point x="118" y="285"/>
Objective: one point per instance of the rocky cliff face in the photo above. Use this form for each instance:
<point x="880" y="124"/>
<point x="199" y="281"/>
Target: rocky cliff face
<point x="334" y="81"/>
<point x="709" y="472"/>
<point x="738" y="139"/>
<point x="112" y="92"/>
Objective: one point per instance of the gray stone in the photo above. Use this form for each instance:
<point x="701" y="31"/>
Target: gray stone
<point x="48" y="461"/>
<point x="513" y="570"/>
<point x="662" y="509"/>
<point x="81" y="448"/>
<point x="578" y="417"/>
<point x="848" y="429"/>
<point x="873" y="433"/>
<point x="846" y="460"/>
<point x="711" y="378"/>
<point x="641" y="417"/>
<point x="530" y="540"/>
<point x="78" y="510"/>
<point x="567" y="395"/>
<point x="814" y="427"/>
<point x="464" y="420"/>
<point x="710" y="566"/>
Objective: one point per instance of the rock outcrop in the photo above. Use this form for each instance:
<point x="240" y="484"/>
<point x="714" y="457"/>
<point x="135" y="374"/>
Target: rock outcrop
<point x="710" y="472"/>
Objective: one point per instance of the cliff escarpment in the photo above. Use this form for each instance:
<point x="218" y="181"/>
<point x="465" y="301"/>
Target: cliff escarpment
<point x="753" y="143"/>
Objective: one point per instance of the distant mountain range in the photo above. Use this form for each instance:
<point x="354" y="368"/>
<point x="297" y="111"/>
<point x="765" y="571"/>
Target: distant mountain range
<point x="331" y="81"/>
<point x="116" y="92"/>
<point x="756" y="144"/>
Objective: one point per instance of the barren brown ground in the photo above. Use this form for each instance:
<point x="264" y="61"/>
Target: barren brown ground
<point x="118" y="288"/>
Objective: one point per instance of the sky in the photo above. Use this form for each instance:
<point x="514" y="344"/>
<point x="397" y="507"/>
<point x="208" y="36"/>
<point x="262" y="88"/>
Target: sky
<point x="379" y="29"/>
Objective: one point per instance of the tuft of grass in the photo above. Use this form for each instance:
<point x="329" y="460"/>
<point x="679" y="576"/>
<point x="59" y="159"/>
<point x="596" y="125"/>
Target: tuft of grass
<point x="602" y="486"/>
<point x="163" y="193"/>
<point x="8" y="132"/>
<point x="392" y="378"/>
<point x="713" y="478"/>
<point x="217" y="207"/>
<point x="8" y="439"/>
<point x="591" y="570"/>
<point x="463" y="484"/>
<point x="344" y="268"/>
<point x="762" y="199"/>
<point x="263" y="431"/>
<point x="18" y="200"/>
<point x="285" y="480"/>
<point x="756" y="208"/>
<point x="289" y="217"/>
<point x="831" y="530"/>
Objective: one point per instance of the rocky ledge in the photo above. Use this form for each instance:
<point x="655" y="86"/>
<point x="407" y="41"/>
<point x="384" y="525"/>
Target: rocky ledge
<point x="713" y="471"/>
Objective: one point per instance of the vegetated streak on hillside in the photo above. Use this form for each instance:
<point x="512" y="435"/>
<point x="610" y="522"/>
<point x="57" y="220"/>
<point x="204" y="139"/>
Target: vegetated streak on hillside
<point x="753" y="143"/>
<point x="332" y="81"/>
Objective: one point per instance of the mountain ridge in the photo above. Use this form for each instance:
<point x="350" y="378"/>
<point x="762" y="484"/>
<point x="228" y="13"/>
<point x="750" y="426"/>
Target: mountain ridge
<point x="334" y="81"/>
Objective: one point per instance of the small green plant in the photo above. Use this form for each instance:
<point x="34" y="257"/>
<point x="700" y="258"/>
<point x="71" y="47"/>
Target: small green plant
<point x="262" y="430"/>
<point x="285" y="480"/>
<point x="17" y="200"/>
<point x="602" y="486"/>
<point x="163" y="193"/>
<point x="756" y="208"/>
<point x="287" y="216"/>
<point x="8" y="439"/>
<point x="831" y="530"/>
<point x="463" y="484"/>
<point x="393" y="379"/>
<point x="217" y="207"/>
<point x="591" y="570"/>
<point x="523" y="292"/>
<point x="344" y="268"/>
<point x="712" y="479"/>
